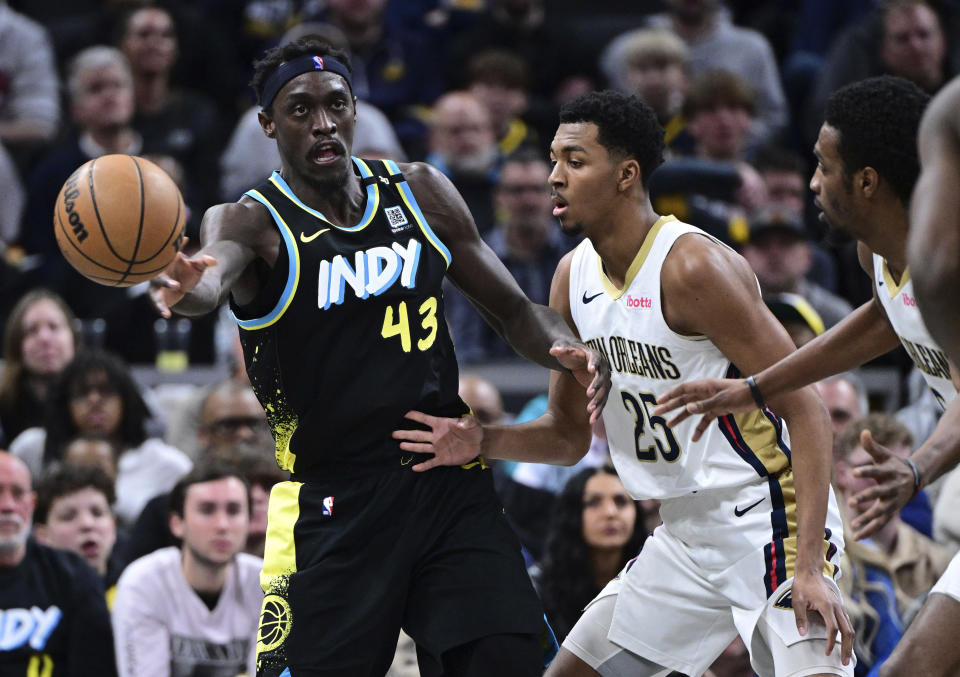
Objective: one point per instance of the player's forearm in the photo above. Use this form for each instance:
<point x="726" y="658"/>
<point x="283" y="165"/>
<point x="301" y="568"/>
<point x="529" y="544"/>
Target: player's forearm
<point x="204" y="298"/>
<point x="861" y="336"/>
<point x="941" y="452"/>
<point x="533" y="330"/>
<point x="810" y="436"/>
<point x="547" y="439"/>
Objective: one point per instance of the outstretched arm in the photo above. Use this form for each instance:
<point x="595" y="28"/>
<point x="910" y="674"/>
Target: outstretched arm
<point x="232" y="236"/>
<point x="933" y="248"/>
<point x="710" y="290"/>
<point x="861" y="336"/>
<point x="561" y="436"/>
<point x="531" y="329"/>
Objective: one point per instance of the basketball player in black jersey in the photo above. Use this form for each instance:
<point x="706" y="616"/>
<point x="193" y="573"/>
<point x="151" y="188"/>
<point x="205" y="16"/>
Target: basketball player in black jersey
<point x="333" y="267"/>
<point x="934" y="244"/>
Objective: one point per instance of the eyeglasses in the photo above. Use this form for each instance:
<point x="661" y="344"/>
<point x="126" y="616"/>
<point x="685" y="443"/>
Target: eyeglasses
<point x="231" y="425"/>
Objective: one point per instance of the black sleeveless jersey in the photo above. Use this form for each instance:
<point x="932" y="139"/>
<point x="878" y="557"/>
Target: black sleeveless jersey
<point x="348" y="333"/>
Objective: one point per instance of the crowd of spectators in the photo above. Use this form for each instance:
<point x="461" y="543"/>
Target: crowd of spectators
<point x="472" y="87"/>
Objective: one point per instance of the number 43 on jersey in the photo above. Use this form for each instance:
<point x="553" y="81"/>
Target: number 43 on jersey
<point x="397" y="323"/>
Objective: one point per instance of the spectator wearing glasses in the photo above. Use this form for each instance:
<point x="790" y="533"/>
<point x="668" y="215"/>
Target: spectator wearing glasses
<point x="528" y="242"/>
<point x="96" y="394"/>
<point x="233" y="429"/>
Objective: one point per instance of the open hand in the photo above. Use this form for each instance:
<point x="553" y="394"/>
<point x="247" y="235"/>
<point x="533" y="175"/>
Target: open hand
<point x="711" y="397"/>
<point x="177" y="279"/>
<point x="452" y="441"/>
<point x="894" y="488"/>
<point x="812" y="593"/>
<point x="591" y="370"/>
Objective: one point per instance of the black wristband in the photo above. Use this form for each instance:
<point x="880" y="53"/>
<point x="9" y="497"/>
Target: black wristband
<point x="916" y="474"/>
<point x="755" y="391"/>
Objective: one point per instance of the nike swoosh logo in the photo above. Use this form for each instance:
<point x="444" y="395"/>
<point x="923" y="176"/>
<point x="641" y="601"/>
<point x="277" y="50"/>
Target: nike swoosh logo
<point x="740" y="513"/>
<point x="311" y="238"/>
<point x="588" y="299"/>
<point x="406" y="461"/>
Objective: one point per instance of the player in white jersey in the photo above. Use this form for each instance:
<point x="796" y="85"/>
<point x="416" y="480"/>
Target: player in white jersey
<point x="868" y="167"/>
<point x="743" y="547"/>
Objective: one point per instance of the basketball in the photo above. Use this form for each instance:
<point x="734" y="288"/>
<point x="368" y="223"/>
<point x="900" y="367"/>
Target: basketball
<point x="119" y="220"/>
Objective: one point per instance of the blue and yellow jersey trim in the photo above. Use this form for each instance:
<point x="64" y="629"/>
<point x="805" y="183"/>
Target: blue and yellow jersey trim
<point x="407" y="195"/>
<point x="373" y="198"/>
<point x="293" y="272"/>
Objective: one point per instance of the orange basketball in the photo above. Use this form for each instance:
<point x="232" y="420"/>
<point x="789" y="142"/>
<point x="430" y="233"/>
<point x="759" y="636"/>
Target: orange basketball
<point x="119" y="220"/>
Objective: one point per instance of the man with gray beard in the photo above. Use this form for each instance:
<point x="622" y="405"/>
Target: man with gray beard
<point x="464" y="147"/>
<point x="54" y="614"/>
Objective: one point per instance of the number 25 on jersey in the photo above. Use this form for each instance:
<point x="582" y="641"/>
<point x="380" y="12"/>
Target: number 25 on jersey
<point x="664" y="442"/>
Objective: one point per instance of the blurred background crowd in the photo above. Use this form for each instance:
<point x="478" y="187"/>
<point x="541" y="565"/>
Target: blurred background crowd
<point x="92" y="378"/>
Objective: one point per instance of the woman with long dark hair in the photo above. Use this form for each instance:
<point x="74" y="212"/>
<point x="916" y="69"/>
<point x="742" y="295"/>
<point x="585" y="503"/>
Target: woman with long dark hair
<point x="96" y="395"/>
<point x="39" y="340"/>
<point x="596" y="528"/>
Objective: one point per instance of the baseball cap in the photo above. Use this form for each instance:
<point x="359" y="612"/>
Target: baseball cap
<point x="769" y="219"/>
<point x="788" y="307"/>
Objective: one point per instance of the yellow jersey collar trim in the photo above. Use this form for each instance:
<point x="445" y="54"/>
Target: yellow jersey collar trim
<point x="892" y="287"/>
<point x="638" y="260"/>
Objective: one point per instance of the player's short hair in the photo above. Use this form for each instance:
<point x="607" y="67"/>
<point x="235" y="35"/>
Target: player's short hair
<point x="626" y="126"/>
<point x="877" y="121"/>
<point x="274" y="57"/>
<point x="209" y="470"/>
<point x="63" y="480"/>
<point x="886" y="430"/>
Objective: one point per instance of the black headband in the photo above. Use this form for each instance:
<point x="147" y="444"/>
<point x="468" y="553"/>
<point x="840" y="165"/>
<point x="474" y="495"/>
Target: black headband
<point x="302" y="64"/>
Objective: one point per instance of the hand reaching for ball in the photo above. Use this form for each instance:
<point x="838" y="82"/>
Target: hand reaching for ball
<point x="176" y="281"/>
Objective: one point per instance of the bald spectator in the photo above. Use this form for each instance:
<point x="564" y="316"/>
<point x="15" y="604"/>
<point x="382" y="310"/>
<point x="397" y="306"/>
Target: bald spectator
<point x="53" y="604"/>
<point x="483" y="398"/>
<point x="463" y="146"/>
<point x="846" y="400"/>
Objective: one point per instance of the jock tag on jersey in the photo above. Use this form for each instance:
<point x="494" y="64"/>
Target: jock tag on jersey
<point x="397" y="219"/>
<point x="372" y="272"/>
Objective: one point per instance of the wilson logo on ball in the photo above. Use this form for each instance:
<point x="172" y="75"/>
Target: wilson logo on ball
<point x="70" y="195"/>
